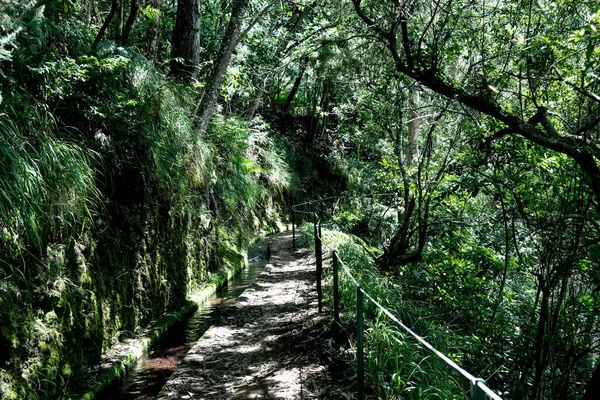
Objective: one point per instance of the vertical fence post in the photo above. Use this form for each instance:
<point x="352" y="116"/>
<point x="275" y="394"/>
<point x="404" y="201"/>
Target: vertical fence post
<point x="336" y="292"/>
<point x="319" y="257"/>
<point x="360" y="346"/>
<point x="476" y="392"/>
<point x="321" y="209"/>
<point x="293" y="228"/>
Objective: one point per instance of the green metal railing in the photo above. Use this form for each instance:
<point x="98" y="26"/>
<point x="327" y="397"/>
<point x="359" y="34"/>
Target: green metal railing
<point x="479" y="389"/>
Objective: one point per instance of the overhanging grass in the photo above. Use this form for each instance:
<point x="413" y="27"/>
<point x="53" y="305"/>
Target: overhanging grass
<point x="117" y="176"/>
<point x="397" y="366"/>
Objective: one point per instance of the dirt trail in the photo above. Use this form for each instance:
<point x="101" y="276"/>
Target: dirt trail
<point x="270" y="344"/>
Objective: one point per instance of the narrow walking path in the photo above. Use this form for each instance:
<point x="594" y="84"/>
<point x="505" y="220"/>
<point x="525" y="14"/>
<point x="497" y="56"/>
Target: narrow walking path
<point x="270" y="344"/>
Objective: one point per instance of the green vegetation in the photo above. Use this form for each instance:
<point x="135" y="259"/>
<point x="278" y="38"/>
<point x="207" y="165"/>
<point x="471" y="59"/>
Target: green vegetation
<point x="118" y="370"/>
<point x="145" y="143"/>
<point x="397" y="365"/>
<point x="113" y="208"/>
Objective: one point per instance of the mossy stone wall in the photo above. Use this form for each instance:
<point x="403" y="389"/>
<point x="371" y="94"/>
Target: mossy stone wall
<point x="87" y="293"/>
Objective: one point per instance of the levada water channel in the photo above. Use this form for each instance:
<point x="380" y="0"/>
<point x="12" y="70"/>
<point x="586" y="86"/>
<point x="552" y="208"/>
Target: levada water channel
<point x="152" y="372"/>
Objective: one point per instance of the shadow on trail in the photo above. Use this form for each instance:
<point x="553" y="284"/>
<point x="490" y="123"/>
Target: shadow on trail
<point x="151" y="373"/>
<point x="269" y="344"/>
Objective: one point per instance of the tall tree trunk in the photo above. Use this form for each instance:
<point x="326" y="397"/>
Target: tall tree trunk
<point x="118" y="23"/>
<point x="152" y="35"/>
<point x="408" y="242"/>
<point x="113" y="10"/>
<point x="322" y="118"/>
<point x="88" y="9"/>
<point x="133" y="12"/>
<point x="507" y="237"/>
<point x="542" y="342"/>
<point x="525" y="360"/>
<point x="215" y="81"/>
<point x="255" y="103"/>
<point x="413" y="126"/>
<point x="185" y="53"/>
<point x="294" y="91"/>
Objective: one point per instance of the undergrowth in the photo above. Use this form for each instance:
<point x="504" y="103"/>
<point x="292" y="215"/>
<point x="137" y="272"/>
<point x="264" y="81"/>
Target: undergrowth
<point x="397" y="366"/>
<point x="113" y="208"/>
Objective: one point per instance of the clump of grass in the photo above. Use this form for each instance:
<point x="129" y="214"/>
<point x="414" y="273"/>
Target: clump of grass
<point x="397" y="366"/>
<point x="47" y="184"/>
<point x="253" y="173"/>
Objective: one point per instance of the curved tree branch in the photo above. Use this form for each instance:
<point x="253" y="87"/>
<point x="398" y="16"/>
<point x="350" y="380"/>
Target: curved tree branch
<point x="582" y="151"/>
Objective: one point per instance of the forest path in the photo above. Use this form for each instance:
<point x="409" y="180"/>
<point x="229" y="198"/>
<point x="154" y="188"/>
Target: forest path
<point x="271" y="343"/>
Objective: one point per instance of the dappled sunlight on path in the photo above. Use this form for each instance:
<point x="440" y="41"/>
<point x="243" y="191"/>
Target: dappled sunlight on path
<point x="263" y="346"/>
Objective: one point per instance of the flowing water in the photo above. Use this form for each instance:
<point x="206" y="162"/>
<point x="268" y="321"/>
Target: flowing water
<point x="152" y="372"/>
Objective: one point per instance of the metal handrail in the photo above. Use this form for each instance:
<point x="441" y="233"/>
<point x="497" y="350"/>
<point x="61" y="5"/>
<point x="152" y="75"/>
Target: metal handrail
<point x="311" y="202"/>
<point x="321" y="200"/>
<point x="479" y="388"/>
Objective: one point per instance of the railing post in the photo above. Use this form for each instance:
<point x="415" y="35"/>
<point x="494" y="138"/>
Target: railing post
<point x="336" y="292"/>
<point x="319" y="257"/>
<point x="293" y="228"/>
<point x="477" y="392"/>
<point x="321" y="209"/>
<point x="360" y="349"/>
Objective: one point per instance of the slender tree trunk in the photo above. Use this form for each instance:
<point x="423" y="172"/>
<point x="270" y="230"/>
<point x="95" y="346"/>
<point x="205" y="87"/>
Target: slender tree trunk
<point x="88" y="10"/>
<point x="215" y="81"/>
<point x="504" y="272"/>
<point x="561" y="391"/>
<point x="118" y="23"/>
<point x="185" y="53"/>
<point x="255" y="103"/>
<point x="294" y="91"/>
<point x="541" y="345"/>
<point x="413" y="126"/>
<point x="95" y="13"/>
<point x="113" y="10"/>
<point x="153" y="32"/>
<point x="414" y="219"/>
<point x="133" y="12"/>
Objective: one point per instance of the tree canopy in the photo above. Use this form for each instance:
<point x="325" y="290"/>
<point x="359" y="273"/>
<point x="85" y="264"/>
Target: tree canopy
<point x="479" y="120"/>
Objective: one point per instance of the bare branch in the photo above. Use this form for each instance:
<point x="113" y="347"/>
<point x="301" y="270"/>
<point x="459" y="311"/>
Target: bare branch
<point x="579" y="90"/>
<point x="256" y="20"/>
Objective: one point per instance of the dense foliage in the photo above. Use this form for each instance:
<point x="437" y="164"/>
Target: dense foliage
<point x="112" y="206"/>
<point x="140" y="149"/>
<point x="482" y="120"/>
